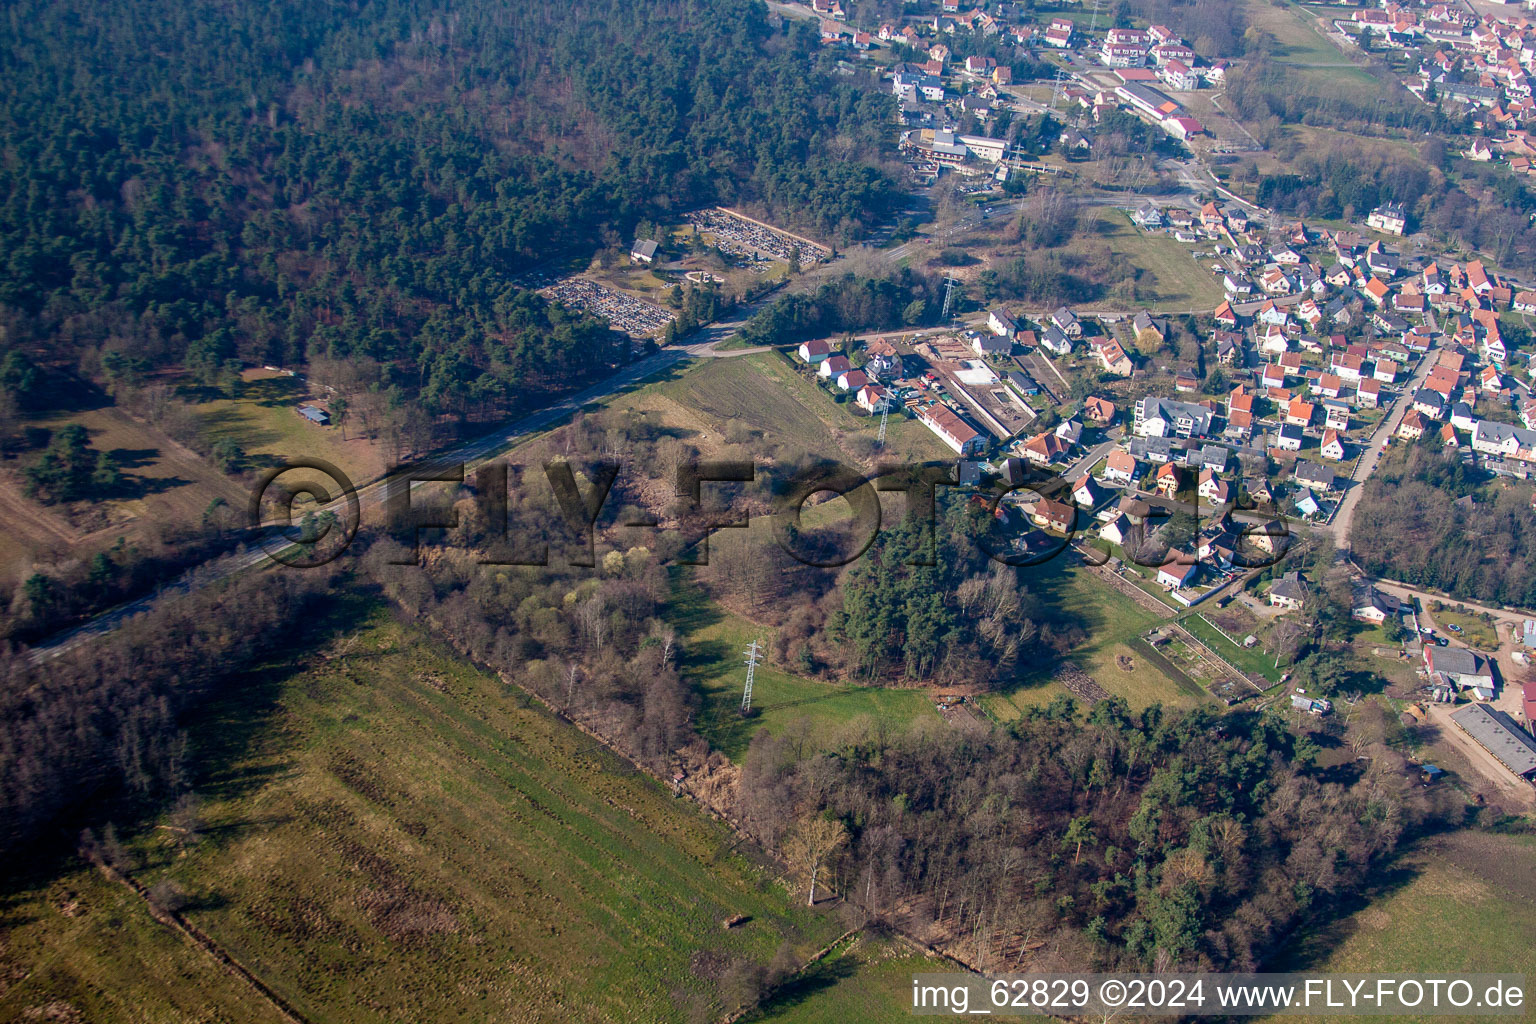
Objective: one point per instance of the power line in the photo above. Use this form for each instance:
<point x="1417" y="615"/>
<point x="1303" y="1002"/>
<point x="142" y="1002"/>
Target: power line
<point x="754" y="655"/>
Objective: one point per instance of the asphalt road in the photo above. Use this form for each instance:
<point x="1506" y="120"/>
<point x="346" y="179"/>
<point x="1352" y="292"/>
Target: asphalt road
<point x="372" y="496"/>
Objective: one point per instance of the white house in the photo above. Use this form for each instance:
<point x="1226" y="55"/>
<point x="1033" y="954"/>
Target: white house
<point x="814" y="351"/>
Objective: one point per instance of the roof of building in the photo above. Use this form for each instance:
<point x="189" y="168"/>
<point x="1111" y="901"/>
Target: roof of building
<point x="1499" y="735"/>
<point x="1311" y="471"/>
<point x="1457" y="661"/>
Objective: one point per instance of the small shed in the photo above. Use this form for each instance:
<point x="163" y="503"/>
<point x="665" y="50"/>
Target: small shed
<point x="315" y="414"/>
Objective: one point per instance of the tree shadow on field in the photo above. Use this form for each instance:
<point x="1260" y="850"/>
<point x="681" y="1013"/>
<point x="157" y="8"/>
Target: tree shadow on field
<point x="229" y="733"/>
<point x="806" y="985"/>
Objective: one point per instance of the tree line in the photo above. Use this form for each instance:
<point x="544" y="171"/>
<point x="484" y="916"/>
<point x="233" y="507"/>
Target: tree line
<point x="97" y="728"/>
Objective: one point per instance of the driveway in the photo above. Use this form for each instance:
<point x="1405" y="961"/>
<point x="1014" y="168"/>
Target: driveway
<point x="1507" y="626"/>
<point x="1508" y="790"/>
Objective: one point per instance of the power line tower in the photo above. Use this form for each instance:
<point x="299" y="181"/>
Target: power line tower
<point x="754" y="655"/>
<point x="949" y="297"/>
<point x="885" y="417"/>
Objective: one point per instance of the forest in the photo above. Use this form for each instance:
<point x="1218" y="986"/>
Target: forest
<point x="368" y="183"/>
<point x="1119" y="840"/>
<point x="96" y="730"/>
<point x="1428" y="520"/>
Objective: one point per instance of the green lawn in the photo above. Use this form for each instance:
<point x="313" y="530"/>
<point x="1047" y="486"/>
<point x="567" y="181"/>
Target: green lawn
<point x="713" y="643"/>
<point x="1178" y="281"/>
<point x="1250" y="659"/>
<point x="866" y="980"/>
<point x="261" y="415"/>
<point x="1464" y="906"/>
<point x="1111" y="621"/>
<point x="395" y="835"/>
<point x="1476" y="632"/>
<point x="767" y="394"/>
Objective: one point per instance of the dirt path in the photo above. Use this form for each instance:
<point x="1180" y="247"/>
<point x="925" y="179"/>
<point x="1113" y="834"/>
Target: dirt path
<point x="1506" y="788"/>
<point x="201" y="939"/>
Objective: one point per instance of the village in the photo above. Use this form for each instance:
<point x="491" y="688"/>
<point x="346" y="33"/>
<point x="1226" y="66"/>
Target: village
<point x="1331" y="349"/>
<point x="1185" y="482"/>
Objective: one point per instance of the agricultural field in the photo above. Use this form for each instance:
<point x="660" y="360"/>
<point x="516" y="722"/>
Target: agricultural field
<point x="262" y="417"/>
<point x="713" y="642"/>
<point x="1178" y="281"/>
<point x="81" y="948"/>
<point x="868" y="978"/>
<point x="1459" y="903"/>
<point x="390" y="833"/>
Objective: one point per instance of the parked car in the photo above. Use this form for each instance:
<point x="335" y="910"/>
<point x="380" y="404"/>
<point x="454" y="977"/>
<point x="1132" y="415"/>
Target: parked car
<point x="1441" y="641"/>
<point x="1454" y="628"/>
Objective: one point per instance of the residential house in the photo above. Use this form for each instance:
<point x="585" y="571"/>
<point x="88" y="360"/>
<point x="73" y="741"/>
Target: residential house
<point x="1111" y="356"/>
<point x="874" y="398"/>
<point x="1288" y="592"/>
<point x="1054" y="339"/>
<point x="1289" y="438"/>
<point x="1335" y="414"/>
<point x="1067" y="322"/>
<point x="1161" y="417"/>
<point x="1116" y="530"/>
<point x="1368" y="394"/>
<point x="852" y="380"/>
<point x="1070" y="430"/>
<point x="1314" y="476"/>
<point x="1461" y="416"/>
<point x="996" y="346"/>
<point x="814" y="351"/>
<point x="1505" y="439"/>
<point x="1001" y="324"/>
<point x="1178" y="571"/>
<point x="1057" y="516"/>
<point x="1045" y="449"/>
<point x="1372" y="605"/>
<point x="1121" y="468"/>
<point x="1086" y="493"/>
<point x="1100" y="411"/>
<point x="1299" y="413"/>
<point x="1167" y="480"/>
<point x="1332" y="448"/>
<point x="1212" y="488"/>
<point x="1388" y="218"/>
<point x="833" y="367"/>
<point x="1428" y="402"/>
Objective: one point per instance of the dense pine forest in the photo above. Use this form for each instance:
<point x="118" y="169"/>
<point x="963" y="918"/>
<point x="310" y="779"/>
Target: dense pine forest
<point x="199" y="183"/>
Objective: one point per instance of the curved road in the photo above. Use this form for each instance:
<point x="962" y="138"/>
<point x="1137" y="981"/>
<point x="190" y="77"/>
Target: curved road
<point x="373" y="495"/>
